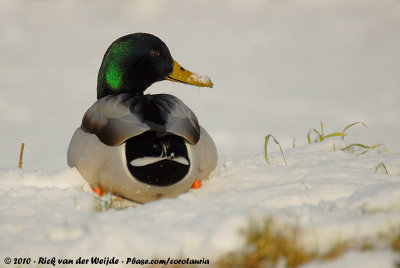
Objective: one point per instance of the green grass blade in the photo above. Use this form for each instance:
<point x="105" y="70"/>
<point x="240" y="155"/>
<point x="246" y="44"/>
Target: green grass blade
<point x="362" y="153"/>
<point x="355" y="144"/>
<point x="284" y="159"/>
<point x="321" y="138"/>
<point x="322" y="129"/>
<point x="266" y="147"/>
<point x="336" y="134"/>
<point x="375" y="146"/>
<point x="383" y="166"/>
<point x="355" y="123"/>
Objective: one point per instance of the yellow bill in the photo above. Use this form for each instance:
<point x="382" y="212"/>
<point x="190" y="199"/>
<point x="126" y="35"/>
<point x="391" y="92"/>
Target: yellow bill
<point x="180" y="74"/>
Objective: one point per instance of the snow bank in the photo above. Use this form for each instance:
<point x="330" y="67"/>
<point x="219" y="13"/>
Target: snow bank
<point x="330" y="195"/>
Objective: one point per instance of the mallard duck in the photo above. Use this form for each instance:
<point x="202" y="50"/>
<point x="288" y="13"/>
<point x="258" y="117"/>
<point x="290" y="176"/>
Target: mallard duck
<point x="141" y="147"/>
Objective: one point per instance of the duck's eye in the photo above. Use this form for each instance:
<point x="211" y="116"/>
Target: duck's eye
<point x="155" y="53"/>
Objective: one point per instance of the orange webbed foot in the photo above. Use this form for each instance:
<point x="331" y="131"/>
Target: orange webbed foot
<point x="196" y="184"/>
<point x="98" y="191"/>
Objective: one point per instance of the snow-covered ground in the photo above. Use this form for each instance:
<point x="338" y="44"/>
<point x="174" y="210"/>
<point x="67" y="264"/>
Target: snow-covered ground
<point x="332" y="196"/>
<point x="278" y="68"/>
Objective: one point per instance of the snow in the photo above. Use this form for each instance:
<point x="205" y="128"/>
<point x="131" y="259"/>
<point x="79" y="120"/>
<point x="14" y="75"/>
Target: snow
<point x="381" y="258"/>
<point x="200" y="78"/>
<point x="330" y="195"/>
<point x="278" y="67"/>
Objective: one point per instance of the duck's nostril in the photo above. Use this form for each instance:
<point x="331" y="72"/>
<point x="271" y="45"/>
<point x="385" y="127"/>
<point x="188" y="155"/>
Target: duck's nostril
<point x="182" y="69"/>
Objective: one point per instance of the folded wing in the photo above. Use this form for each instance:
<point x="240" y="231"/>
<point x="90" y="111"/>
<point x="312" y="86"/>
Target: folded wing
<point x="116" y="118"/>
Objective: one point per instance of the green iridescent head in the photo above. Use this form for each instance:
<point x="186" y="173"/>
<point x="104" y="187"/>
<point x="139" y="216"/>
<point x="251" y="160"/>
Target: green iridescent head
<point x="135" y="61"/>
<point x="132" y="63"/>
